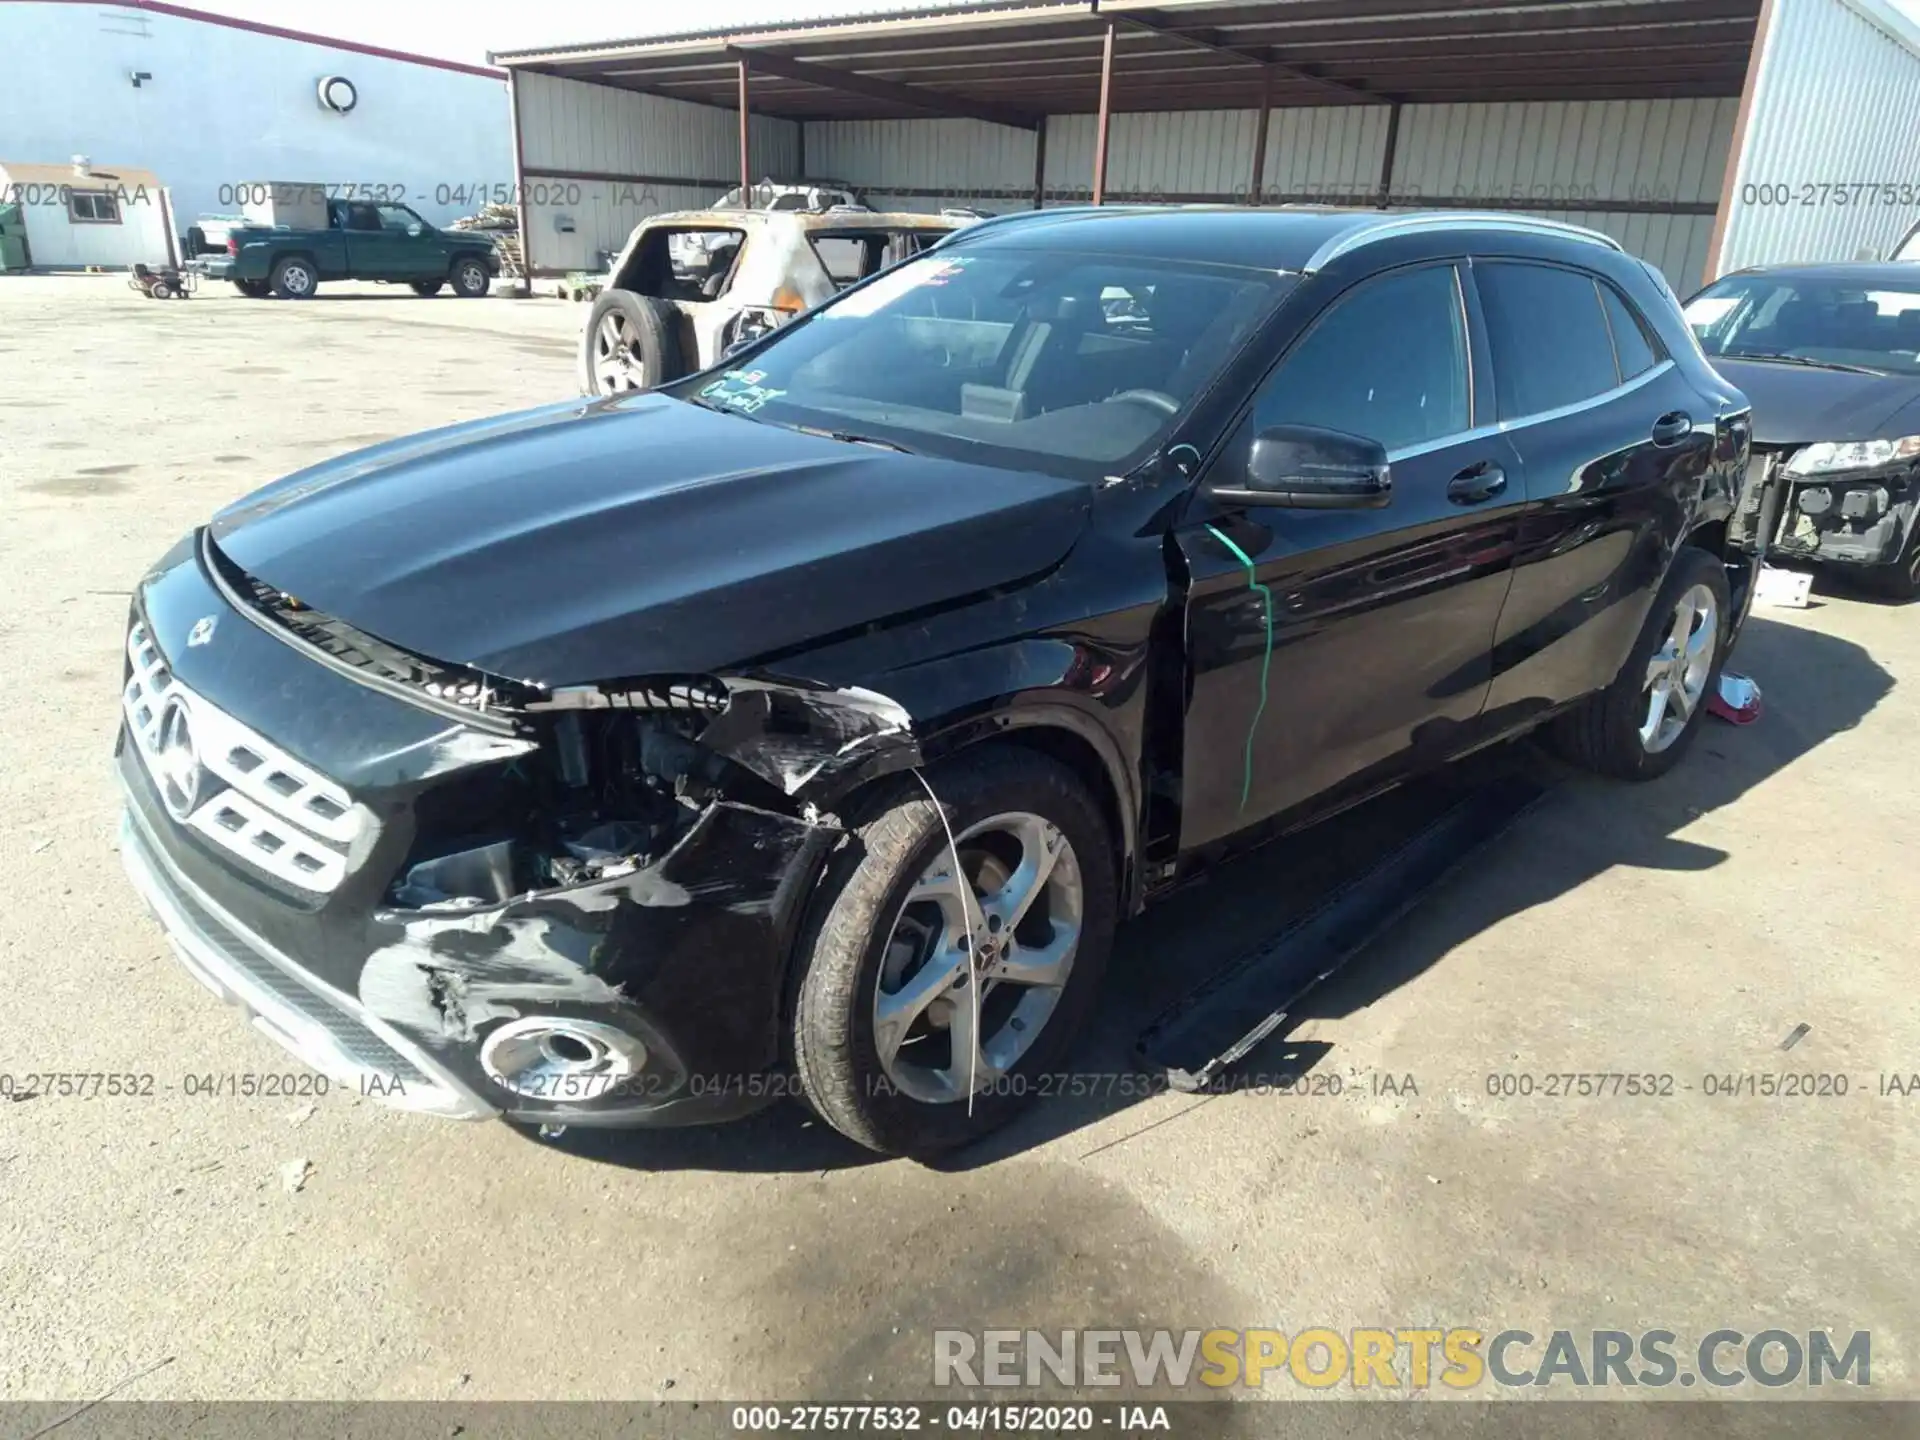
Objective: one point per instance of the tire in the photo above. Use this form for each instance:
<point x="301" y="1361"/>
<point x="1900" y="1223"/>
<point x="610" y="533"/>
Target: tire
<point x="294" y="278"/>
<point x="852" y="950"/>
<point x="1605" y="733"/>
<point x="470" y="278"/>
<point x="160" y="290"/>
<point x="425" y="288"/>
<point x="630" y="342"/>
<point x="254" y="289"/>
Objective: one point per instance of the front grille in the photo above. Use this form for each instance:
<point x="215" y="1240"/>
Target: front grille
<point x="232" y="786"/>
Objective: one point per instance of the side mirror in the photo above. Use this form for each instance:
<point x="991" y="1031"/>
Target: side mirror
<point x="416" y="231"/>
<point x="1308" y="468"/>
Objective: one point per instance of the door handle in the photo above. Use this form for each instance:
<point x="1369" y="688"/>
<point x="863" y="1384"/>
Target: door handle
<point x="1672" y="428"/>
<point x="1477" y="483"/>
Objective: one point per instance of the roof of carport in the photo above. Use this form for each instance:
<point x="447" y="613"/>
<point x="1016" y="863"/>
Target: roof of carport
<point x="1015" y="62"/>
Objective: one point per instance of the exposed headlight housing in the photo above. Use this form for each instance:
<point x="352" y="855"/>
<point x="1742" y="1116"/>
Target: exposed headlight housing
<point x="1829" y="456"/>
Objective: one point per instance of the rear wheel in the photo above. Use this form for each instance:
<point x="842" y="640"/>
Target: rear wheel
<point x="426" y="287"/>
<point x="294" y="278"/>
<point x="470" y="279"/>
<point x="933" y="995"/>
<point x="1641" y="724"/>
<point x="630" y="343"/>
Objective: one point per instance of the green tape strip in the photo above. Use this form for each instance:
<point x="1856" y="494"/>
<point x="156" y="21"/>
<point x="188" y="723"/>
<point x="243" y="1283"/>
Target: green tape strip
<point x="1266" y="660"/>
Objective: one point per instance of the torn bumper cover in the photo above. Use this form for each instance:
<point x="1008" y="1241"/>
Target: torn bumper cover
<point x="587" y="921"/>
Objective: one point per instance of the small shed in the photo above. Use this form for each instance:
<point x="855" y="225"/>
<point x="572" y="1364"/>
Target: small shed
<point x="80" y="214"/>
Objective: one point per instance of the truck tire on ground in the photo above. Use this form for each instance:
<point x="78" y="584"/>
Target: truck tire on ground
<point x="253" y="289"/>
<point x="886" y="995"/>
<point x="470" y="279"/>
<point x="294" y="278"/>
<point x="1641" y="724"/>
<point x="425" y="288"/>
<point x="631" y="342"/>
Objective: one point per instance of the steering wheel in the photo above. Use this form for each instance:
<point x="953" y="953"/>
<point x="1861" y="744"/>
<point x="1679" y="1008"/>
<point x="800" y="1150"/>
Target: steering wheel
<point x="1154" y="399"/>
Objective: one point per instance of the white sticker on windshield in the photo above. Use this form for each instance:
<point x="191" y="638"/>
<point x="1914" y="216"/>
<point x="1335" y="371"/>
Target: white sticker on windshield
<point x="914" y="275"/>
<point x="740" y="390"/>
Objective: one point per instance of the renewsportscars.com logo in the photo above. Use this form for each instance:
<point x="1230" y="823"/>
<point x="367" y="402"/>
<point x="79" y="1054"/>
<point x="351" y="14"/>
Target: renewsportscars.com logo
<point x="1377" y="1359"/>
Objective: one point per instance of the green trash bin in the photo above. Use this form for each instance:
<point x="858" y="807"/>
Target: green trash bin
<point x="13" y="238"/>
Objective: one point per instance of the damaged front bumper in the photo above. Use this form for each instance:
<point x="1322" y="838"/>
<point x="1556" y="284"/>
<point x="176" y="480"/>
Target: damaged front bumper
<point x="378" y="885"/>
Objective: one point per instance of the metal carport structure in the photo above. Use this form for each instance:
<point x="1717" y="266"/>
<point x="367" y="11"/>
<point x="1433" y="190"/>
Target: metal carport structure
<point x="1663" y="122"/>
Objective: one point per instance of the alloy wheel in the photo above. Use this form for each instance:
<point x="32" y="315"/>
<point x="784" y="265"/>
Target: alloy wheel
<point x="948" y="1019"/>
<point x="1679" y="669"/>
<point x="617" y="366"/>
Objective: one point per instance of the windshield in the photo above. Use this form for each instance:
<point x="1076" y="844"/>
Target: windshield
<point x="1846" y="326"/>
<point x="1070" y="363"/>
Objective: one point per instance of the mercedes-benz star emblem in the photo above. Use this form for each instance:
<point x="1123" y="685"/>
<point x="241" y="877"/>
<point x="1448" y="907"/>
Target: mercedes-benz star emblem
<point x="177" y="761"/>
<point x="202" y="630"/>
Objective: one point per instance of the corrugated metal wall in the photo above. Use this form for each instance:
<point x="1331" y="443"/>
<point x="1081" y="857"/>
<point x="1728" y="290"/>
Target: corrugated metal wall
<point x="919" y="165"/>
<point x="569" y="129"/>
<point x="1830" y="167"/>
<point x="1578" y="161"/>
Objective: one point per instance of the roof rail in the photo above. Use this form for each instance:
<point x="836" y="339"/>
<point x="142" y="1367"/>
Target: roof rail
<point x="1388" y="226"/>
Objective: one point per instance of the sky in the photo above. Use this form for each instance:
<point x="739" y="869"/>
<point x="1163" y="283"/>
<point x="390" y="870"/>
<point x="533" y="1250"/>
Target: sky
<point x="468" y="29"/>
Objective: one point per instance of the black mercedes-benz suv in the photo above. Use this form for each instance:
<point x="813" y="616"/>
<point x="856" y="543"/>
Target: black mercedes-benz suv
<point x="814" y="720"/>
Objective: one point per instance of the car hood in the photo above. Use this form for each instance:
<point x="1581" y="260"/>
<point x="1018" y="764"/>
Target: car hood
<point x="594" y="540"/>
<point x="1798" y="405"/>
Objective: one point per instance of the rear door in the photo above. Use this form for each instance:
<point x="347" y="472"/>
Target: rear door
<point x="1614" y="445"/>
<point x="1331" y="651"/>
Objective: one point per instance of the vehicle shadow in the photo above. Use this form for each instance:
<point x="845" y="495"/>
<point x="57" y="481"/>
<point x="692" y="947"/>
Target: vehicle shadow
<point x="1814" y="686"/>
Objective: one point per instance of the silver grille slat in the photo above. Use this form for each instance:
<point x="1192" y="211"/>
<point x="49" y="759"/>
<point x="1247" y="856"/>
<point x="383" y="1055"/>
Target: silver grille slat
<point x="274" y="812"/>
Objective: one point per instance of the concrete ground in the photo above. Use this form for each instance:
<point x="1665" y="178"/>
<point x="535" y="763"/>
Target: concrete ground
<point x="1683" y="928"/>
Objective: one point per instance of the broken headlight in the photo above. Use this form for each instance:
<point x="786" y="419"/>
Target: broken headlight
<point x="1829" y="456"/>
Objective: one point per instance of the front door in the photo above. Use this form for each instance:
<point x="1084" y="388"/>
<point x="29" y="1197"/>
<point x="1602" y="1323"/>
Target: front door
<point x="1332" y="651"/>
<point x="415" y="250"/>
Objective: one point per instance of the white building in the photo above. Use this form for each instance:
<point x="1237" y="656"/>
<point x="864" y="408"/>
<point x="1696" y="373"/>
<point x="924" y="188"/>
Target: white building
<point x="214" y="105"/>
<point x="85" y="213"/>
<point x="1705" y="135"/>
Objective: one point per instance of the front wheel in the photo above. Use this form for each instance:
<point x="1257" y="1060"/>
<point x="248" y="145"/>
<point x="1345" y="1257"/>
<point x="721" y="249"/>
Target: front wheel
<point x="935" y="999"/>
<point x="470" y="279"/>
<point x="1641" y="724"/>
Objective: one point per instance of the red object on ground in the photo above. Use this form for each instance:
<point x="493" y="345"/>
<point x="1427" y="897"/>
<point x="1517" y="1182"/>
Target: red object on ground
<point x="1737" y="701"/>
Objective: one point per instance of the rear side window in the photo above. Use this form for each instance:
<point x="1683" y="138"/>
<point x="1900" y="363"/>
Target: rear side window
<point x="1388" y="361"/>
<point x="1548" y="330"/>
<point x="1631" y="347"/>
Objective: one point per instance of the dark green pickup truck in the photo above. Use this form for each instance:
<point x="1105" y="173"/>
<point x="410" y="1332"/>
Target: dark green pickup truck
<point x="362" y="241"/>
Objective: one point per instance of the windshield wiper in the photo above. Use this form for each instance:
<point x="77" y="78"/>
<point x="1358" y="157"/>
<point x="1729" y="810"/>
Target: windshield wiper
<point x="1782" y="358"/>
<point x="847" y="437"/>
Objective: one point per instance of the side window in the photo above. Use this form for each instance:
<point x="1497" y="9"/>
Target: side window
<point x="1388" y="360"/>
<point x="1549" y="336"/>
<point x="362" y="217"/>
<point x="398" y="217"/>
<point x="1632" y="346"/>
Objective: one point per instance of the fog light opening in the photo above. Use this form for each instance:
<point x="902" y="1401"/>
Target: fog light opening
<point x="562" y="1060"/>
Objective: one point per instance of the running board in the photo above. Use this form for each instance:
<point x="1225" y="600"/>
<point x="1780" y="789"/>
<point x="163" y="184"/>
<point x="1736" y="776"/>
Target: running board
<point x="1215" y="1025"/>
